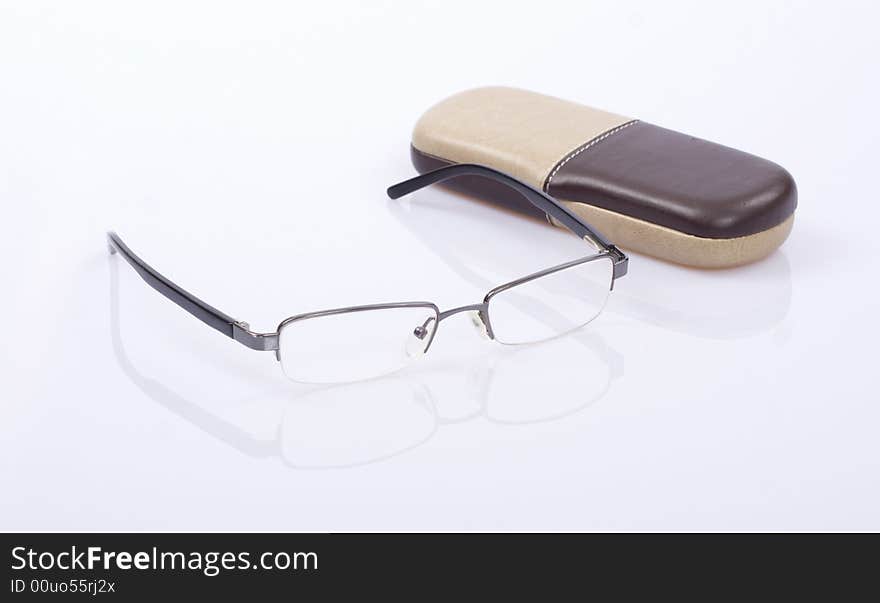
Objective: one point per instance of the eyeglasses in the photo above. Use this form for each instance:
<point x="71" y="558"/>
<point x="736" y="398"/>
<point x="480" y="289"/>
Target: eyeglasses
<point x="362" y="342"/>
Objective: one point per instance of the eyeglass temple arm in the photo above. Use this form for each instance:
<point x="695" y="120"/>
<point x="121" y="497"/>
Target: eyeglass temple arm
<point x="211" y="316"/>
<point x="542" y="201"/>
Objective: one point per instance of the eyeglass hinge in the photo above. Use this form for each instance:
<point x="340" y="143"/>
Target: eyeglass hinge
<point x="621" y="261"/>
<point x="264" y="342"/>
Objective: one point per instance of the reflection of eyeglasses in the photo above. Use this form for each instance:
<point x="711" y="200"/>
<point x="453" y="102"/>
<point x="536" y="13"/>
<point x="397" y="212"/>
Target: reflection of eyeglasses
<point x="360" y="342"/>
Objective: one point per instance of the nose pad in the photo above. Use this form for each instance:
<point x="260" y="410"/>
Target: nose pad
<point x="418" y="340"/>
<point x="477" y="320"/>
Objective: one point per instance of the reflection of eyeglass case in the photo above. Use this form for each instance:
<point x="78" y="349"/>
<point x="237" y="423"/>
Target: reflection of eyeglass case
<point x="649" y="189"/>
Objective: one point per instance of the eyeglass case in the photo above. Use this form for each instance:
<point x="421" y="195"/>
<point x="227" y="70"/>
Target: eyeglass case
<point x="647" y="188"/>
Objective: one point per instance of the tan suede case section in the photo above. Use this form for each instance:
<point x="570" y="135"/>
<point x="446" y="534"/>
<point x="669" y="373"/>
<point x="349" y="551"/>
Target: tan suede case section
<point x="515" y="131"/>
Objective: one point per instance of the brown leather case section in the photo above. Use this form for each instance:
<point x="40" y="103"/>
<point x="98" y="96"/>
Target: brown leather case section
<point x="678" y="181"/>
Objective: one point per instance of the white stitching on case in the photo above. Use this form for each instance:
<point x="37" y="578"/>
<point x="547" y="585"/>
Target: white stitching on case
<point x="583" y="148"/>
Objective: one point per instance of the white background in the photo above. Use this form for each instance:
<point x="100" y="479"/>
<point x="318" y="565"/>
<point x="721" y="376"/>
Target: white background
<point x="244" y="151"/>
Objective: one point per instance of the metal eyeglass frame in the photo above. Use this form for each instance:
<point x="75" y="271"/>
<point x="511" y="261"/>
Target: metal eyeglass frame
<point x="241" y="332"/>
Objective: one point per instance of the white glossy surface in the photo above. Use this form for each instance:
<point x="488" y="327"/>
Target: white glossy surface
<point x="245" y="152"/>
